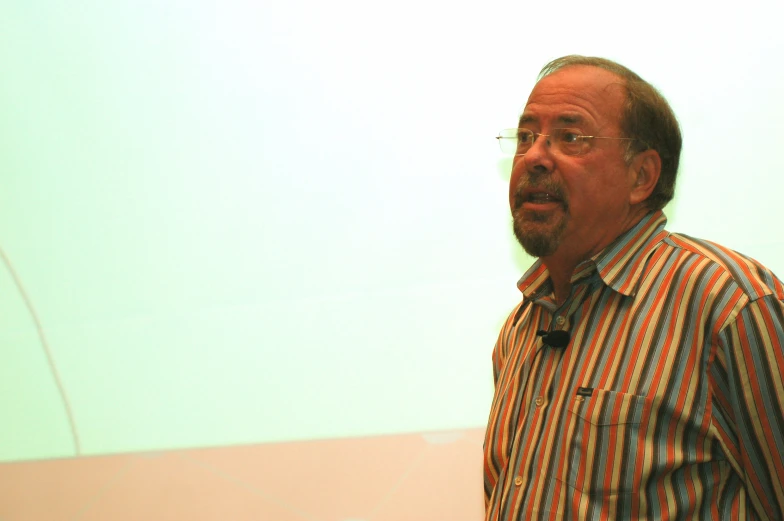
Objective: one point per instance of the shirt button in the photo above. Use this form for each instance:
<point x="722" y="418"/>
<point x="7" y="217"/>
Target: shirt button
<point x="539" y="401"/>
<point x="579" y="399"/>
<point x="518" y="481"/>
<point x="560" y="321"/>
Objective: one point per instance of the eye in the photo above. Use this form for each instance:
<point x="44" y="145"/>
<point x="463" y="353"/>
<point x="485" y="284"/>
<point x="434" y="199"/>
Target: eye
<point x="524" y="137"/>
<point x="570" y="136"/>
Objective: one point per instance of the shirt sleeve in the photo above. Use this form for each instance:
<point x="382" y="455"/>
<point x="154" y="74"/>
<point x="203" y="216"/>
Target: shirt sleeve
<point x="748" y="387"/>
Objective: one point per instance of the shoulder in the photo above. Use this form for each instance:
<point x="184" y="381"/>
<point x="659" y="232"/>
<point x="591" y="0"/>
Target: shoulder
<point x="750" y="276"/>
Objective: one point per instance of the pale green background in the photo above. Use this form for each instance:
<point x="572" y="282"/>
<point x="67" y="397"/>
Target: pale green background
<point x="245" y="222"/>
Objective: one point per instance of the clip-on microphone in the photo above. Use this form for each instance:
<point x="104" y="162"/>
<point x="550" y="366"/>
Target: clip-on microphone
<point x="558" y="338"/>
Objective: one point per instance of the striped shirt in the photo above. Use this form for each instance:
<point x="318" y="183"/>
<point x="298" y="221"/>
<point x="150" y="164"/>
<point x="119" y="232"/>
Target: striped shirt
<point x="668" y="402"/>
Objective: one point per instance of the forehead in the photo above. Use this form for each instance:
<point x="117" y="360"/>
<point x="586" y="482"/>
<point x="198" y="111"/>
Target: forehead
<point x="577" y="95"/>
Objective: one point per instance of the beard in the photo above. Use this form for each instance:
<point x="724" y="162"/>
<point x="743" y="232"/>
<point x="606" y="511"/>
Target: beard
<point x="539" y="233"/>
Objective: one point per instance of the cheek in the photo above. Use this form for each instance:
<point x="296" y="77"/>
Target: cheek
<point x="595" y="202"/>
<point x="517" y="171"/>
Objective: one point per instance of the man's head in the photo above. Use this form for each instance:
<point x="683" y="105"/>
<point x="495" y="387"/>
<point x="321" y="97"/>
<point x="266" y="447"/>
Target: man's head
<point x="577" y="204"/>
<point x="646" y="117"/>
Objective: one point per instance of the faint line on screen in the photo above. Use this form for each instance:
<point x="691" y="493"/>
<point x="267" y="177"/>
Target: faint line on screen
<point x="45" y="346"/>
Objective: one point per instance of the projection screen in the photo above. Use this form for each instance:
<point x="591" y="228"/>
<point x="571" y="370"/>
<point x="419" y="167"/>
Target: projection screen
<point x="236" y="223"/>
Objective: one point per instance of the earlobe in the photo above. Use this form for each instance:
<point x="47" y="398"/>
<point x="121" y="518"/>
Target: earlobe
<point x="646" y="168"/>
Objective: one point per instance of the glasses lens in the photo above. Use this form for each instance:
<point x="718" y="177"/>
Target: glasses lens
<point x="507" y="139"/>
<point x="525" y="138"/>
<point x="515" y="141"/>
<point x="570" y="141"/>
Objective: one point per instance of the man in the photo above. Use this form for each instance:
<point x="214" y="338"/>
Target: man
<point x="641" y="375"/>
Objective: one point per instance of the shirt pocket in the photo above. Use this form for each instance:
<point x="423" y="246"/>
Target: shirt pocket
<point x="607" y="435"/>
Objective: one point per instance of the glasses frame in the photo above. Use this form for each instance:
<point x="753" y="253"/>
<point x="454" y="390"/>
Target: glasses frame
<point x="537" y="135"/>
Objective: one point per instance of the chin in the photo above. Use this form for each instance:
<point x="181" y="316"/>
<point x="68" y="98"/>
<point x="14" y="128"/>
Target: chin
<point x="538" y="237"/>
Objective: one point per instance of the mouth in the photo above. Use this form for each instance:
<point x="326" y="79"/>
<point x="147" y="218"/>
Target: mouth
<point x="535" y="199"/>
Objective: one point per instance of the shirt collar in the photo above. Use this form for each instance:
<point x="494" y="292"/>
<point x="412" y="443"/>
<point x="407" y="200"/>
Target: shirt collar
<point x="619" y="265"/>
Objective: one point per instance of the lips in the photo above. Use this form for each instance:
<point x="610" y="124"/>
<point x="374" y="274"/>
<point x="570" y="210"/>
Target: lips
<point x="541" y="197"/>
<point x="537" y="198"/>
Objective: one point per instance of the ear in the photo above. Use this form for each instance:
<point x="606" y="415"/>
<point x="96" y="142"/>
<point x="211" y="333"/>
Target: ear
<point x="644" y="171"/>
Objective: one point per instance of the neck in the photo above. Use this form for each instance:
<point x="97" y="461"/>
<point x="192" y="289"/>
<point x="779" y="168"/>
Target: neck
<point x="562" y="263"/>
<point x="561" y="277"/>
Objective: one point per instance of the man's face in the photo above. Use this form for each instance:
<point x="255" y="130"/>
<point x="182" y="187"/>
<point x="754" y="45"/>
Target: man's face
<point x="572" y="206"/>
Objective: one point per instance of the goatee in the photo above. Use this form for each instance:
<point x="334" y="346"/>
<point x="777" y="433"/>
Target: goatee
<point x="539" y="233"/>
<point x="537" y="242"/>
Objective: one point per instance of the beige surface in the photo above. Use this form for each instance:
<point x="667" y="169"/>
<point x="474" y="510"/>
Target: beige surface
<point x="432" y="476"/>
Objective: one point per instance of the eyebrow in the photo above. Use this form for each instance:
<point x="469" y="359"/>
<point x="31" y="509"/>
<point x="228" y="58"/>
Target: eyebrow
<point x="526" y="118"/>
<point x="570" y="119"/>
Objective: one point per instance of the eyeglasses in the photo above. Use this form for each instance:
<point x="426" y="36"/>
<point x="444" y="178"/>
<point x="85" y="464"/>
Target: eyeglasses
<point x="567" y="141"/>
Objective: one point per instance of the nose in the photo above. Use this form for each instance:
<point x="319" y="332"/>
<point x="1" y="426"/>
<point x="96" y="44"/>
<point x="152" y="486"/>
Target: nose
<point x="538" y="161"/>
<point x="539" y="158"/>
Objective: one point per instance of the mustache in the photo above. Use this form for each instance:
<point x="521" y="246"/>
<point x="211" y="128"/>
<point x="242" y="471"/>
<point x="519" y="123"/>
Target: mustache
<point x="546" y="185"/>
